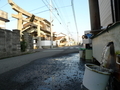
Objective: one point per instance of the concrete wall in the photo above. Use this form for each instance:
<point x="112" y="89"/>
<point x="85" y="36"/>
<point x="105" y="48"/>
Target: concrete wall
<point x="100" y="41"/>
<point x="9" y="43"/>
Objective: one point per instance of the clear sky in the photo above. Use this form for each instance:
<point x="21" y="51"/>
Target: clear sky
<point x="63" y="19"/>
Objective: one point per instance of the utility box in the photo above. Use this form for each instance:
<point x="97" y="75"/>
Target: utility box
<point x="87" y="41"/>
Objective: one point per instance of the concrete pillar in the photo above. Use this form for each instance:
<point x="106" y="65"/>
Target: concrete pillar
<point x="94" y="15"/>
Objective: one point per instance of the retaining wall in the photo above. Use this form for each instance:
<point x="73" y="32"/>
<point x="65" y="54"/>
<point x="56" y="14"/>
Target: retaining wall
<point x="9" y="43"/>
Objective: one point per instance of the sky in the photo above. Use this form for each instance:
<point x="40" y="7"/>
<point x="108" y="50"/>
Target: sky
<point x="62" y="14"/>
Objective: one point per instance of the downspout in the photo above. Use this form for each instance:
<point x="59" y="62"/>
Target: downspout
<point x="115" y="7"/>
<point x="113" y="10"/>
<point x="94" y="16"/>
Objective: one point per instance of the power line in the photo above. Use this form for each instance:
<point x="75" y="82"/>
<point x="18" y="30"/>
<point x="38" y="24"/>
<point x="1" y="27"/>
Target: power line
<point x="49" y="4"/>
<point x="3" y="5"/>
<point x="50" y="10"/>
<point x="57" y="13"/>
<point x="42" y="11"/>
<point x="37" y="8"/>
<point x="64" y="6"/>
<point x="66" y="13"/>
<point x="12" y="19"/>
<point x="61" y="17"/>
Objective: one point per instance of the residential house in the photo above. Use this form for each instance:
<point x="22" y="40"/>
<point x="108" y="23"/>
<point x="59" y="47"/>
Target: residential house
<point x="106" y="14"/>
<point x="63" y="39"/>
<point x="109" y="17"/>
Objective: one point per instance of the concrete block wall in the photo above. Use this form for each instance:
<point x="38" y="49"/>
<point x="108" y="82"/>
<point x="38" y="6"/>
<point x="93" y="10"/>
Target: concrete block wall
<point x="9" y="43"/>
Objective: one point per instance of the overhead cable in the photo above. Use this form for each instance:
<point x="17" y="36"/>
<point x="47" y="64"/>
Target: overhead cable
<point x="61" y="17"/>
<point x="50" y="10"/>
<point x="3" y="5"/>
<point x="37" y="8"/>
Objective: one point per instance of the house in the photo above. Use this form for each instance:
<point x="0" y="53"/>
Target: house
<point x="60" y="39"/>
<point x="63" y="39"/>
<point x="108" y="17"/>
<point x="105" y="27"/>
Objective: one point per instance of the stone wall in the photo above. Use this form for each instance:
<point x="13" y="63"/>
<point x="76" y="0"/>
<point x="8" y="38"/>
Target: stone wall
<point x="29" y="40"/>
<point x="9" y="43"/>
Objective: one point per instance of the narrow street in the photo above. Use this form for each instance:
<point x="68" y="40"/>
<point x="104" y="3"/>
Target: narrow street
<point x="54" y="73"/>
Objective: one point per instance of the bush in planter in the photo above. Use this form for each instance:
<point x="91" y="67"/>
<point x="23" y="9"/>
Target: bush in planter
<point x="23" y="46"/>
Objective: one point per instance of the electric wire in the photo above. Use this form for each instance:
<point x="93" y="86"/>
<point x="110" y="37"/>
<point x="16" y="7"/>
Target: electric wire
<point x="65" y="10"/>
<point x="50" y="10"/>
<point x="37" y="8"/>
<point x="3" y="5"/>
<point x="45" y="11"/>
<point x="12" y="19"/>
<point x="49" y="4"/>
<point x="61" y="17"/>
<point x="42" y="11"/>
<point x="53" y="13"/>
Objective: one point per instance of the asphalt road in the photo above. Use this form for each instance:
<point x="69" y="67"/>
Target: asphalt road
<point x="61" y="72"/>
<point x="8" y="64"/>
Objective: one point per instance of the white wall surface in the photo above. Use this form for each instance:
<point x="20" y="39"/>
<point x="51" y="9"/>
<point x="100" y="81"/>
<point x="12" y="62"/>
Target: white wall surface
<point x="100" y="41"/>
<point x="47" y="43"/>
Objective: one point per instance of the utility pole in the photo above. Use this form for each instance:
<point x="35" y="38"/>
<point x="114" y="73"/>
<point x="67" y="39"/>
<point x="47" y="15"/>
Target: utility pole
<point x="75" y="21"/>
<point x="51" y="32"/>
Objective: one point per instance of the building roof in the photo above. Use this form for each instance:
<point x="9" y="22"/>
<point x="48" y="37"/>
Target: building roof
<point x="58" y="38"/>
